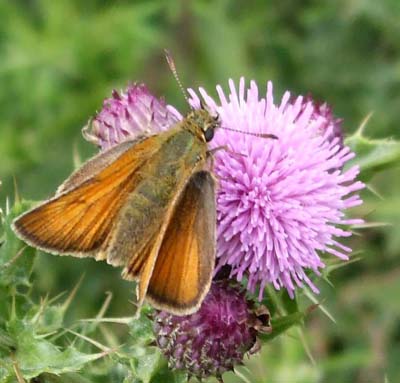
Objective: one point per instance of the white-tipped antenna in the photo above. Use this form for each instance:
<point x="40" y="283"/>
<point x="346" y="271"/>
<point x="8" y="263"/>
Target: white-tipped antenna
<point x="172" y="67"/>
<point x="262" y="135"/>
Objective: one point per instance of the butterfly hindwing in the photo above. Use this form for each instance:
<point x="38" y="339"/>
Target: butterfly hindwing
<point x="182" y="272"/>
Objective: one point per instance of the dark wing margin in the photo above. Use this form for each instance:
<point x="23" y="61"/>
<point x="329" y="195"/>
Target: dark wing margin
<point x="183" y="270"/>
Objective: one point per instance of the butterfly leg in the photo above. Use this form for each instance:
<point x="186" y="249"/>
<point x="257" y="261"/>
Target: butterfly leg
<point x="210" y="153"/>
<point x="227" y="149"/>
<point x="214" y="150"/>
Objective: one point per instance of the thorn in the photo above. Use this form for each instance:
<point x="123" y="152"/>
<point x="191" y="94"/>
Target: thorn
<point x="105" y="305"/>
<point x="109" y="337"/>
<point x="136" y="316"/>
<point x="316" y="305"/>
<point x="92" y="341"/>
<point x="16" y="369"/>
<point x="13" y="308"/>
<point x="123" y="320"/>
<point x="47" y="334"/>
<point x="138" y="307"/>
<point x="363" y="124"/>
<point x="56" y="298"/>
<point x="241" y="375"/>
<point x="375" y="192"/>
<point x="328" y="281"/>
<point x="60" y="334"/>
<point x="7" y="206"/>
<point x="43" y="303"/>
<point x="14" y="258"/>
<point x="71" y="296"/>
<point x="17" y="199"/>
<point x="306" y="346"/>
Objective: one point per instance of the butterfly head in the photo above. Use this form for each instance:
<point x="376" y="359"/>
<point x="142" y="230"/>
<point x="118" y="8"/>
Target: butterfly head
<point x="203" y="123"/>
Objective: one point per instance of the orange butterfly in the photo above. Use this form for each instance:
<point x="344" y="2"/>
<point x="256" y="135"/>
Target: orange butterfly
<point x="147" y="205"/>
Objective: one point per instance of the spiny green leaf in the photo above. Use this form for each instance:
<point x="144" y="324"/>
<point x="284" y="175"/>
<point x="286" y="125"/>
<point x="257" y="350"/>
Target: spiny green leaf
<point x="35" y="355"/>
<point x="373" y="155"/>
<point x="41" y="356"/>
<point x="16" y="259"/>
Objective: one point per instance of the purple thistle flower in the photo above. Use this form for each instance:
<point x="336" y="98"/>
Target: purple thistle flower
<point x="215" y="338"/>
<point x="129" y="114"/>
<point x="280" y="202"/>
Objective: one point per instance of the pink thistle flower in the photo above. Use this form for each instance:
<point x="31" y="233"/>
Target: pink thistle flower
<point x="129" y="114"/>
<point x="280" y="202"/>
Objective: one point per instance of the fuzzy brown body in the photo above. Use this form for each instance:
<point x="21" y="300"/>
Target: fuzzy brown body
<point x="147" y="205"/>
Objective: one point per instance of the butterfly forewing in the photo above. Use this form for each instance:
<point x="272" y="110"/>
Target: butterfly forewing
<point x="79" y="220"/>
<point x="96" y="164"/>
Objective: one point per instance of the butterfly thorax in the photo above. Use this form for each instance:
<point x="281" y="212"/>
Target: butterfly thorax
<point x="202" y="124"/>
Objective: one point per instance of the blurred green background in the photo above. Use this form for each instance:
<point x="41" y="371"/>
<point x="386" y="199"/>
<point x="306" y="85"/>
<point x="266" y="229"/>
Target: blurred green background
<point x="60" y="59"/>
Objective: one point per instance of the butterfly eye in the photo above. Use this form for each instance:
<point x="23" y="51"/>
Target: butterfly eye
<point x="209" y="134"/>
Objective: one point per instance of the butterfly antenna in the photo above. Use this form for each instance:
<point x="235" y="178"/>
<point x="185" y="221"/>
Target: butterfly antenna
<point x="263" y="135"/>
<point x="172" y="67"/>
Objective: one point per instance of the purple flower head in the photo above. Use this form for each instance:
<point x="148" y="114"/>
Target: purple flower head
<point x="129" y="114"/>
<point x="280" y="202"/>
<point x="215" y="338"/>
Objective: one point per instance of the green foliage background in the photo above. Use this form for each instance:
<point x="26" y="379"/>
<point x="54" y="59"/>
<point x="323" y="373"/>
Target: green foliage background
<point x="60" y="59"/>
